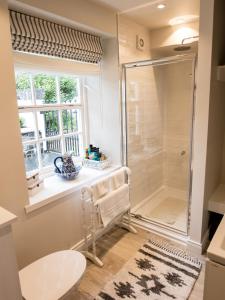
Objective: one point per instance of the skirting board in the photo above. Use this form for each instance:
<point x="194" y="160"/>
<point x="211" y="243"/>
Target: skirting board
<point x="199" y="248"/>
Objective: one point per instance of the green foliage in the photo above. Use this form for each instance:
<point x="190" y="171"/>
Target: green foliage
<point x="22" y="122"/>
<point x="69" y="120"/>
<point x="47" y="84"/>
<point x="51" y="120"/>
<point x="22" y="81"/>
<point x="68" y="89"/>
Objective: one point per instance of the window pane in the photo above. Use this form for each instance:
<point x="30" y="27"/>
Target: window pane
<point x="68" y="89"/>
<point x="45" y="89"/>
<point x="72" y="144"/>
<point x="70" y="119"/>
<point x="23" y="89"/>
<point x="27" y="126"/>
<point x="30" y="157"/>
<point x="48" y="123"/>
<point x="50" y="149"/>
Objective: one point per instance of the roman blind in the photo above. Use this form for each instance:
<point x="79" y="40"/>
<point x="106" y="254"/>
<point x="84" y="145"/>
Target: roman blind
<point x="36" y="35"/>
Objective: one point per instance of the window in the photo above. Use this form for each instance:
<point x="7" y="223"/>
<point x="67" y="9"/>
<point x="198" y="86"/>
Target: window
<point x="50" y="115"/>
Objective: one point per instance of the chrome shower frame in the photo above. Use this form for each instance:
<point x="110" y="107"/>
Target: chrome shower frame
<point x="157" y="62"/>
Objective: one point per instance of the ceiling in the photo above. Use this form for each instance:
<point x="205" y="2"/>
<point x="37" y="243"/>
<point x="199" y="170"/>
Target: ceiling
<point x="145" y="12"/>
<point x="121" y="5"/>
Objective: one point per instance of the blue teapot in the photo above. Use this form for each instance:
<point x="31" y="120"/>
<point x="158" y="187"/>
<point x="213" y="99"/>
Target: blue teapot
<point x="66" y="167"/>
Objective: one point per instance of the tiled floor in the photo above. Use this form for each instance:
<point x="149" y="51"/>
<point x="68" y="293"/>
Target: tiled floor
<point x="115" y="249"/>
<point x="168" y="207"/>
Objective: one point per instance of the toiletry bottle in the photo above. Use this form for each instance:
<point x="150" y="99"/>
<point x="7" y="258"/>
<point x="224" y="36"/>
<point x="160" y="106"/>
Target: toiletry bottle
<point x="97" y="154"/>
<point x="86" y="153"/>
<point x="90" y="149"/>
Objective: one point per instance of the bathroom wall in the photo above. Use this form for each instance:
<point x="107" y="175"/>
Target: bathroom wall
<point x="58" y="225"/>
<point x="144" y="135"/>
<point x="173" y="35"/>
<point x="86" y="14"/>
<point x="216" y="139"/>
<point x="104" y="107"/>
<point x="215" y="142"/>
<point x="127" y="34"/>
<point x="199" y="223"/>
<point x="223" y="163"/>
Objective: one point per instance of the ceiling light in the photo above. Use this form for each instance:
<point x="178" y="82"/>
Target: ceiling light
<point x="161" y="6"/>
<point x="183" y="19"/>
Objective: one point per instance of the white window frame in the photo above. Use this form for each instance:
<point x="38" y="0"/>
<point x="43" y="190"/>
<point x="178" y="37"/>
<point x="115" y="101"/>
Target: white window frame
<point x="81" y="105"/>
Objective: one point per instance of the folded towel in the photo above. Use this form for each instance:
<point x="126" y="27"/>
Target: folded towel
<point x="118" y="179"/>
<point x="100" y="189"/>
<point x="114" y="204"/>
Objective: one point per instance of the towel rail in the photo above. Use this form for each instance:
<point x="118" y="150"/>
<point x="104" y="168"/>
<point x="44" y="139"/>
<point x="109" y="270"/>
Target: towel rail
<point x="92" y="225"/>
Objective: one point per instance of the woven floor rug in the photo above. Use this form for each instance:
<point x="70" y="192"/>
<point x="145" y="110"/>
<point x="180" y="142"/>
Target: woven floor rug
<point x="158" y="271"/>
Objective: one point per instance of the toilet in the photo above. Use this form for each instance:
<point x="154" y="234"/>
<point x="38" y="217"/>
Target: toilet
<point x="53" y="276"/>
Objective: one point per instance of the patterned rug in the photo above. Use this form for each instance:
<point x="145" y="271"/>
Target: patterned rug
<point x="159" y="271"/>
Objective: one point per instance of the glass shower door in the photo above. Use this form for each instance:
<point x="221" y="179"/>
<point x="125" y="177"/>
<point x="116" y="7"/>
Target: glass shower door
<point x="158" y="117"/>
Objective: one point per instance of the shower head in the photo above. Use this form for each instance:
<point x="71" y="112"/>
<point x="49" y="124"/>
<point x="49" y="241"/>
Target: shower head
<point x="182" y="48"/>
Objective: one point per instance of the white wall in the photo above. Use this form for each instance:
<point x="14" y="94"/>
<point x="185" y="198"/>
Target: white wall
<point x="103" y="104"/>
<point x="79" y="13"/>
<point x="173" y="35"/>
<point x="111" y="108"/>
<point x="198" y="210"/>
<point x="58" y="225"/>
<point x="143" y="128"/>
<point x="215" y="145"/>
<point x="127" y="33"/>
<point x="209" y="117"/>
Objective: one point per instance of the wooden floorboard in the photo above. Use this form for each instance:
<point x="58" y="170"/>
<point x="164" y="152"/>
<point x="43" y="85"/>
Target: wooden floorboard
<point x="115" y="249"/>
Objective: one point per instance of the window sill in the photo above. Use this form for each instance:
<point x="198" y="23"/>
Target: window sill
<point x="56" y="187"/>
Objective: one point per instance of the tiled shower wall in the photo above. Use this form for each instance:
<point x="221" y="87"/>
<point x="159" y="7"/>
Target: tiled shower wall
<point x="159" y="116"/>
<point x="178" y="105"/>
<point x="144" y="133"/>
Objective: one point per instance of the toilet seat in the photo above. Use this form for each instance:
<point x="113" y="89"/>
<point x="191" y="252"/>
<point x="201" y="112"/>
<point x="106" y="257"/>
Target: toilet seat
<point x="52" y="276"/>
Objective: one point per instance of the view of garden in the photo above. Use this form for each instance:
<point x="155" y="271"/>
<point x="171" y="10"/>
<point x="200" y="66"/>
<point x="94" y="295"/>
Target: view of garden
<point x="45" y="89"/>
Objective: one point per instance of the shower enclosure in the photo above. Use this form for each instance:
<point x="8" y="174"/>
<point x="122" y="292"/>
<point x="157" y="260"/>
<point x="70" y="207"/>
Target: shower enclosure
<point x="158" y="102"/>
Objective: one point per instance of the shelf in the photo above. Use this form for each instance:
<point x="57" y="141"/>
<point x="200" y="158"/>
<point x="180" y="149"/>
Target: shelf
<point x="217" y="201"/>
<point x="221" y="73"/>
<point x="6" y="217"/>
<point x="56" y="187"/>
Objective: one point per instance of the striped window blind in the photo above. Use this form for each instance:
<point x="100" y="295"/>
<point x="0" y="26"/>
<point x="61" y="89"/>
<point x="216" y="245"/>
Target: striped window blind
<point x="36" y="35"/>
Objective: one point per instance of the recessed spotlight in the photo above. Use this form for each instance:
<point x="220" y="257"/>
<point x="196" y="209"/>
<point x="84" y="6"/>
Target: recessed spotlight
<point x="161" y="6"/>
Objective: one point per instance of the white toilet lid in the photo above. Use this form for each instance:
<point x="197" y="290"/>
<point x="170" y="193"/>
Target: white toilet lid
<point x="52" y="276"/>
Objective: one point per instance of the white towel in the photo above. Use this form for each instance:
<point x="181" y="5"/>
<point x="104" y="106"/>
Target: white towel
<point x="114" y="204"/>
<point x="100" y="189"/>
<point x="118" y="179"/>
